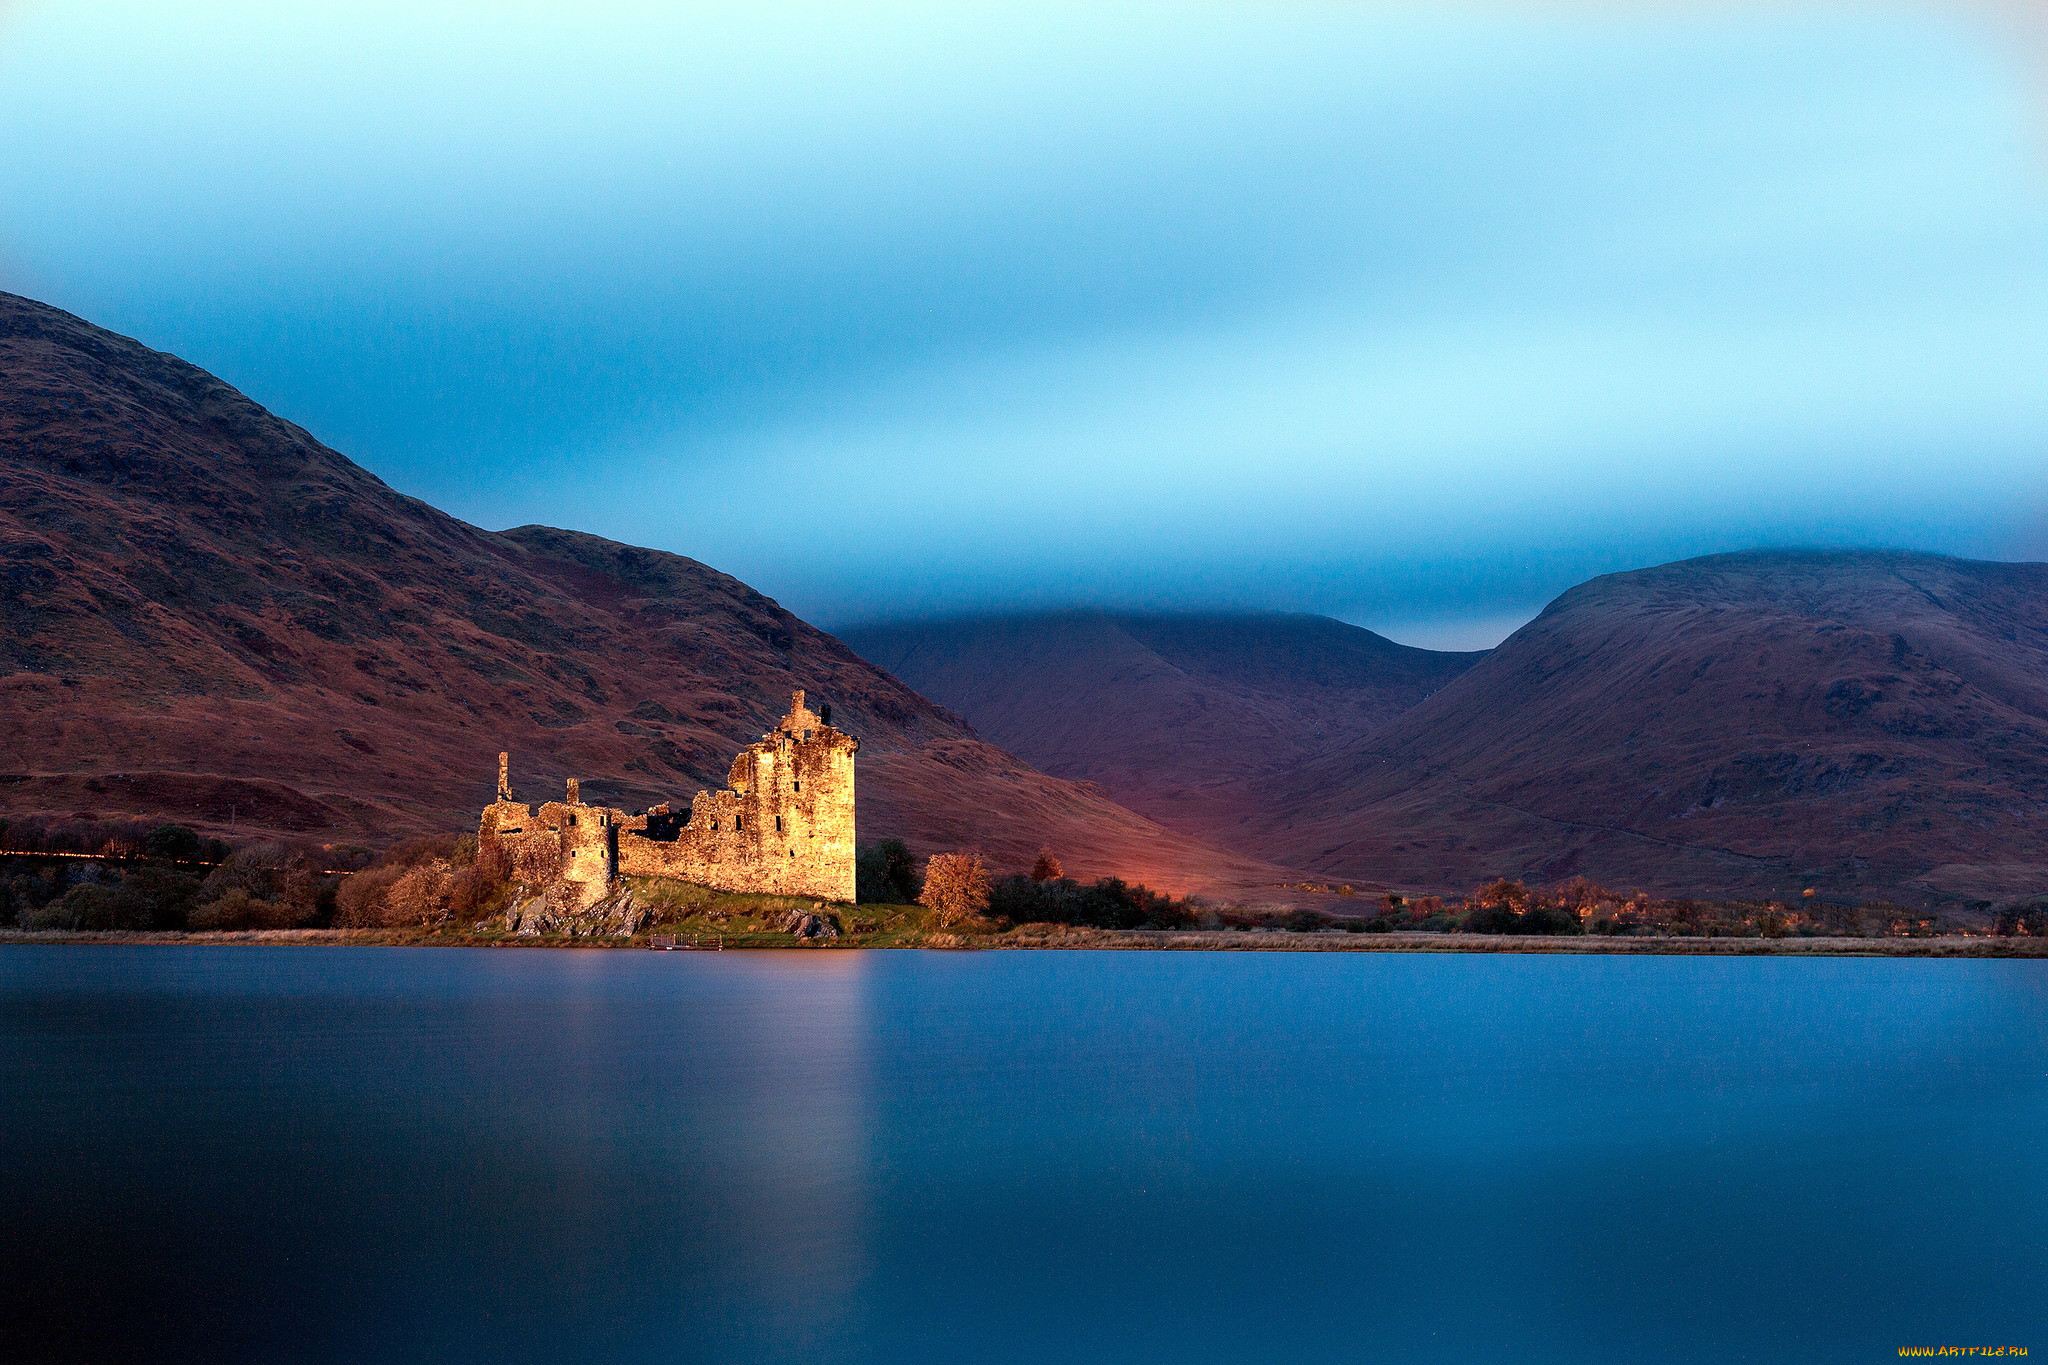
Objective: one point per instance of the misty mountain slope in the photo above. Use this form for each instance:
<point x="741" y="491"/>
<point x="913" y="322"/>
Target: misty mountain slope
<point x="206" y="614"/>
<point x="1751" y="723"/>
<point x="1156" y="706"/>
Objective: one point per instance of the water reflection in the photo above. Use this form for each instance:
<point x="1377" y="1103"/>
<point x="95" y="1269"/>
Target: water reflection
<point x="355" y="1155"/>
<point x="790" y="1161"/>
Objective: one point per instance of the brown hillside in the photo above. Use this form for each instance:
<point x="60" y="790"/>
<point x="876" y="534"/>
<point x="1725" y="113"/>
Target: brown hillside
<point x="1865" y="723"/>
<point x="1160" y="709"/>
<point x="209" y="615"/>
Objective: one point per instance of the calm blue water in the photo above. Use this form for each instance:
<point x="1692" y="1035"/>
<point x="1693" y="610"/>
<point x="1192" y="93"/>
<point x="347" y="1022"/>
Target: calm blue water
<point x="384" y="1155"/>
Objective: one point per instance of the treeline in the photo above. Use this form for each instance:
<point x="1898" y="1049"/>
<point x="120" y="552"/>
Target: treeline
<point x="162" y="877"/>
<point x="113" y="839"/>
<point x="95" y="875"/>
<point x="1580" y="906"/>
<point x="960" y="889"/>
<point x="168" y="878"/>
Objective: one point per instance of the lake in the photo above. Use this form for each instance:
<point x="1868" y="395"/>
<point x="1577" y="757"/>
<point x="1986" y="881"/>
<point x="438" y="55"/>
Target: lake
<point x="377" y="1154"/>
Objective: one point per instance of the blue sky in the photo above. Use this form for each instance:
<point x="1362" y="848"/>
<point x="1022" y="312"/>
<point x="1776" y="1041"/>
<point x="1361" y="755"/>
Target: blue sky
<point x="1411" y="315"/>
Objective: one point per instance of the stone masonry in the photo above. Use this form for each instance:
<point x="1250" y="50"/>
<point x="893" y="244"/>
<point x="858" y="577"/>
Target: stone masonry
<point x="783" y="825"/>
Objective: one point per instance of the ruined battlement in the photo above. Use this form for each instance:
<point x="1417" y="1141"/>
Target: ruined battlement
<point x="782" y="825"/>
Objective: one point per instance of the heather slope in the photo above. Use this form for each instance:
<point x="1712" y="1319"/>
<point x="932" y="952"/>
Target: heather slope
<point x="1867" y="723"/>
<point x="1159" y="708"/>
<point x="211" y="616"/>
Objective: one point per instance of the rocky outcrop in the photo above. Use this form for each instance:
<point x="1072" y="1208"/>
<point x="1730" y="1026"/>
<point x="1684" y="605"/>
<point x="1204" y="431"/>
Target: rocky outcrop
<point x="809" y="924"/>
<point x="561" y="909"/>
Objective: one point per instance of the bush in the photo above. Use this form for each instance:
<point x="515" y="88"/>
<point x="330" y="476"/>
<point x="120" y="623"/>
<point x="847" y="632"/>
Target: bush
<point x="2028" y="918"/>
<point x="95" y="906"/>
<point x="1047" y="868"/>
<point x="1493" y="919"/>
<point x="359" y="901"/>
<point x="1109" y="904"/>
<point x="266" y="886"/>
<point x="175" y="842"/>
<point x="1509" y="907"/>
<point x="956" y="886"/>
<point x="237" y="908"/>
<point x="424" y="882"/>
<point x="96" y="897"/>
<point x="886" y="873"/>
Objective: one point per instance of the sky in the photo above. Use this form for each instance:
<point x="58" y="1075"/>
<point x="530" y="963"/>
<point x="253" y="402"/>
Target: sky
<point x="1414" y="315"/>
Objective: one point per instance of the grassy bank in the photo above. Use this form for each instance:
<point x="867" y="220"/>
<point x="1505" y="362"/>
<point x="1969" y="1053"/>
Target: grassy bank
<point x="699" y="916"/>
<point x="910" y="932"/>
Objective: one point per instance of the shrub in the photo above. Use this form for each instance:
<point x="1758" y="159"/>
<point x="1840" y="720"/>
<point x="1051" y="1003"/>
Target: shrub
<point x="886" y="873"/>
<point x="1493" y="919"/>
<point x="96" y="905"/>
<point x="1047" y="868"/>
<point x="2027" y="918"/>
<point x="424" y="882"/>
<point x="1109" y="904"/>
<point x="956" y="886"/>
<point x="172" y="841"/>
<point x="359" y="901"/>
<point x="1550" y="919"/>
<point x="265" y="887"/>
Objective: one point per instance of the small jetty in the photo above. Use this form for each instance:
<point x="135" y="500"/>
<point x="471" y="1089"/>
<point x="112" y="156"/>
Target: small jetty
<point x="700" y="943"/>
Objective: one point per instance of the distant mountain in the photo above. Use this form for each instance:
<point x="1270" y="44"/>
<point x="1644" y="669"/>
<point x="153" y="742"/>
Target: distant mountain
<point x="1160" y="709"/>
<point x="207" y="615"/>
<point x="1864" y="723"/>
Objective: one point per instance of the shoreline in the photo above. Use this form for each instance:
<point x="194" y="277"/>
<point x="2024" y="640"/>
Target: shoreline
<point x="1123" y="940"/>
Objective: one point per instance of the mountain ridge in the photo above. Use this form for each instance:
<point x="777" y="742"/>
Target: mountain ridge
<point x="211" y="616"/>
<point x="1860" y="722"/>
<point x="1158" y="707"/>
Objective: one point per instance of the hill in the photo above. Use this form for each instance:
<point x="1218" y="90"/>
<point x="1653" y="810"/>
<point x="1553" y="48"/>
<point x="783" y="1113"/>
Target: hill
<point x="207" y="615"/>
<point x="1160" y="709"/>
<point x="1865" y="723"/>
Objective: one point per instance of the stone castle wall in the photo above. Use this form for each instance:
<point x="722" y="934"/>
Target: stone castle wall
<point x="783" y="825"/>
<point x="563" y="842"/>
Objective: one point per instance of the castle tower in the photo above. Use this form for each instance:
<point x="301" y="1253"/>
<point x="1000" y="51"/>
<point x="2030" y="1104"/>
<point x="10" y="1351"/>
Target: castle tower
<point x="783" y="825"/>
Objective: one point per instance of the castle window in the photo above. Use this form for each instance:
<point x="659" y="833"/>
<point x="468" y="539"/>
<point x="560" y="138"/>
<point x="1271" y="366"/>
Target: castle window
<point x="739" y="822"/>
<point x="796" y="786"/>
<point x="778" y="824"/>
<point x="807" y="736"/>
<point x="572" y="819"/>
<point x="714" y="825"/>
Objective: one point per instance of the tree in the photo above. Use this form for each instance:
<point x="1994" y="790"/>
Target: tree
<point x="885" y="873"/>
<point x="1509" y="894"/>
<point x="171" y="841"/>
<point x="900" y="866"/>
<point x="956" y="886"/>
<point x="1047" y="868"/>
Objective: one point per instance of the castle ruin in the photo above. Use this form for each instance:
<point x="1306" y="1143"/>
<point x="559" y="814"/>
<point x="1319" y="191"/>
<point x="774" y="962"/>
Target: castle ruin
<point x="783" y="825"/>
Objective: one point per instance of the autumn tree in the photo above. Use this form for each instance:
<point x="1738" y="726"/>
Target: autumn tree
<point x="956" y="886"/>
<point x="1047" y="868"/>
<point x="1509" y="894"/>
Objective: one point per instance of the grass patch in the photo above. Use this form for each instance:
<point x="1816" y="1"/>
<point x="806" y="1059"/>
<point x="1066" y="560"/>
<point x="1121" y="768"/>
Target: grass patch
<point x="746" y="920"/>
